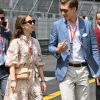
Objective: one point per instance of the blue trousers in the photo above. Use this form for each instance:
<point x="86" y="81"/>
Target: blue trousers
<point x="3" y="82"/>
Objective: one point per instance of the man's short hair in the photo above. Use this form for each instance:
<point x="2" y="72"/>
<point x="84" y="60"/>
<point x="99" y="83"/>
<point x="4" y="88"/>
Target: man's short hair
<point x="72" y="3"/>
<point x="64" y="1"/>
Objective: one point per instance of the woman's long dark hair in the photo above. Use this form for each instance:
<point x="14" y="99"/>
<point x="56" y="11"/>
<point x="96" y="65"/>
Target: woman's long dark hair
<point x="18" y="30"/>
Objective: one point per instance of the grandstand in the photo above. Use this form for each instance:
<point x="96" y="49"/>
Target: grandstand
<point x="45" y="12"/>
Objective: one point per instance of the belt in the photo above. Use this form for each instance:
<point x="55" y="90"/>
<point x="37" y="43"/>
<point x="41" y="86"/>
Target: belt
<point x="78" y="65"/>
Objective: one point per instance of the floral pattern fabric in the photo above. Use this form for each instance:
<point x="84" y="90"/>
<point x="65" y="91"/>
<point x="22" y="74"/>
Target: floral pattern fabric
<point x="17" y="54"/>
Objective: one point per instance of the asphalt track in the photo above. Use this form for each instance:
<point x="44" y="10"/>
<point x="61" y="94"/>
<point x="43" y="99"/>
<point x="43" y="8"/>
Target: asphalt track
<point x="53" y="92"/>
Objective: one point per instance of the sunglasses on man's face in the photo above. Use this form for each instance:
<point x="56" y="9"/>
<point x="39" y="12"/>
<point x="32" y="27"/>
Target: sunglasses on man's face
<point x="64" y="10"/>
<point x="2" y="18"/>
<point x="30" y="22"/>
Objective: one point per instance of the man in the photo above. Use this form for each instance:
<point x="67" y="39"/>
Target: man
<point x="97" y="32"/>
<point x="4" y="40"/>
<point x="73" y="43"/>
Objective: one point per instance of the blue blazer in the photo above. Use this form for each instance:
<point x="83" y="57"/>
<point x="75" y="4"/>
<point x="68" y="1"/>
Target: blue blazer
<point x="59" y="33"/>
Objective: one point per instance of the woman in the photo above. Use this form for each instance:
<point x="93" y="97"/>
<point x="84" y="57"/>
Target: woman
<point x="25" y="61"/>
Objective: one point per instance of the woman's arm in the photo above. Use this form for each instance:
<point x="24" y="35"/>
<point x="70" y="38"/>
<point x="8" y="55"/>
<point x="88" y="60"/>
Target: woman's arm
<point x="43" y="82"/>
<point x="40" y="65"/>
<point x="41" y="74"/>
<point x="12" y="72"/>
<point x="13" y="78"/>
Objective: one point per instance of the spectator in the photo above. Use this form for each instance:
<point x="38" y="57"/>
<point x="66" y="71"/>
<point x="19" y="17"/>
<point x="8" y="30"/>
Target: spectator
<point x="97" y="32"/>
<point x="5" y="35"/>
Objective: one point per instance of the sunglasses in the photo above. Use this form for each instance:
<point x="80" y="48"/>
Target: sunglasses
<point x="30" y="22"/>
<point x="2" y="18"/>
<point x="64" y="10"/>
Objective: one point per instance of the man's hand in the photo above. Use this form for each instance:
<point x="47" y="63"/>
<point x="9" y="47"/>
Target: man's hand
<point x="61" y="46"/>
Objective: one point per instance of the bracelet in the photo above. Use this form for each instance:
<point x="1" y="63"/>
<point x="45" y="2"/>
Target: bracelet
<point x="43" y="81"/>
<point x="13" y="80"/>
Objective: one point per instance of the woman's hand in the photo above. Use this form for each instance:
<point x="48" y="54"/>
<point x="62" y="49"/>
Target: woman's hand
<point x="13" y="85"/>
<point x="43" y="86"/>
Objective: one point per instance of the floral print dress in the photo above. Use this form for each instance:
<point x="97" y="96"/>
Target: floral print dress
<point x="26" y="89"/>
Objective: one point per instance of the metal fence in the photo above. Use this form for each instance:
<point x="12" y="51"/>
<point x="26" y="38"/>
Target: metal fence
<point x="45" y="12"/>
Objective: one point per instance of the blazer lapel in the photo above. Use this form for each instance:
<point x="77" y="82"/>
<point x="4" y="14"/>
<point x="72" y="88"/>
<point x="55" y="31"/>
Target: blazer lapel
<point x="82" y="27"/>
<point x="65" y="31"/>
<point x="65" y="53"/>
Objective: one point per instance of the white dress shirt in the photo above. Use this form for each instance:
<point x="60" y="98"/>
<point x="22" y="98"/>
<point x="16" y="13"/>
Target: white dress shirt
<point x="76" y="55"/>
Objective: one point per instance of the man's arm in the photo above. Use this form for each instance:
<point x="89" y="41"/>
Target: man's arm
<point x="53" y="42"/>
<point x="56" y="47"/>
<point x="94" y="45"/>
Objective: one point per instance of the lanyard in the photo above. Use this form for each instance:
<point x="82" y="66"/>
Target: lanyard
<point x="72" y="33"/>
